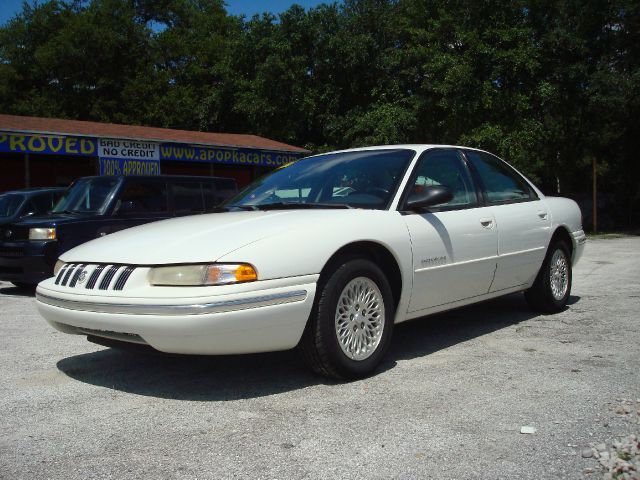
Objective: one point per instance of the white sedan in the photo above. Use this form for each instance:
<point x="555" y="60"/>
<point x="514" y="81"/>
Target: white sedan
<point x="326" y="254"/>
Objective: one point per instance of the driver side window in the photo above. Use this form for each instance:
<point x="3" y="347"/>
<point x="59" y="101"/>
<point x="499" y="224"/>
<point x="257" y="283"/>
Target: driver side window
<point x="446" y="168"/>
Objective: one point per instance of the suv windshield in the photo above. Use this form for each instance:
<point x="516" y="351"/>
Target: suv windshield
<point x="9" y="204"/>
<point x="364" y="179"/>
<point x="87" y="195"/>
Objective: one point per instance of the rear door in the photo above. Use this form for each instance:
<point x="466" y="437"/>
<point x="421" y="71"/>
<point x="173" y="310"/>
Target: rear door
<point x="454" y="245"/>
<point x="522" y="220"/>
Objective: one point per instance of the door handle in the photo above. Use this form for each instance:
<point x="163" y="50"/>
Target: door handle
<point x="542" y="214"/>
<point x="486" y="222"/>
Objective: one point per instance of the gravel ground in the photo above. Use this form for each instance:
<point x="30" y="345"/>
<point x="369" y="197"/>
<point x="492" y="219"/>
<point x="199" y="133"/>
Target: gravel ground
<point x="450" y="401"/>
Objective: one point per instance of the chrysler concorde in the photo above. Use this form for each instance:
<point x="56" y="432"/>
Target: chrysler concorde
<point x="325" y="254"/>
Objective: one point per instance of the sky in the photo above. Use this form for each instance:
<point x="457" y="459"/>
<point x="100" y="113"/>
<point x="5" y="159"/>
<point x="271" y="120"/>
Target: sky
<point x="9" y="8"/>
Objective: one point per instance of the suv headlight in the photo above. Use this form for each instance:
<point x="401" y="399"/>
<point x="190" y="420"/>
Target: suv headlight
<point x="207" y="274"/>
<point x="42" y="234"/>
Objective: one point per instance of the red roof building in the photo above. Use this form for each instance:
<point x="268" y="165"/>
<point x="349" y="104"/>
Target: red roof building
<point x="37" y="151"/>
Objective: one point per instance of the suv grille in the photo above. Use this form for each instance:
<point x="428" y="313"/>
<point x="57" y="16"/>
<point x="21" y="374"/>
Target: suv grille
<point x="90" y="276"/>
<point x="11" y="233"/>
<point x="11" y="252"/>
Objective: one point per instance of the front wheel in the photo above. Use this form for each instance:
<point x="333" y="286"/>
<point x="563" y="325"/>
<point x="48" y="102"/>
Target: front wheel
<point x="551" y="289"/>
<point x="351" y="323"/>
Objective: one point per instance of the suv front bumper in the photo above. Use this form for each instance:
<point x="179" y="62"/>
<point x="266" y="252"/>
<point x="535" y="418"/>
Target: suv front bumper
<point x="27" y="262"/>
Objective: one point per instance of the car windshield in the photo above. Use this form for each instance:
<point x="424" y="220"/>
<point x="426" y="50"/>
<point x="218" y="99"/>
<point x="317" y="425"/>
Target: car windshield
<point x="87" y="195"/>
<point x="362" y="179"/>
<point x="9" y="204"/>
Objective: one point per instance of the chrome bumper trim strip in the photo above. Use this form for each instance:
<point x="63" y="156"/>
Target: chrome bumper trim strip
<point x="193" y="309"/>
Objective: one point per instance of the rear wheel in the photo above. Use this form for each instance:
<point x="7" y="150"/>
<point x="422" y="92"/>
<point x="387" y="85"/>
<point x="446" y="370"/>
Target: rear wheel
<point x="550" y="292"/>
<point x="351" y="323"/>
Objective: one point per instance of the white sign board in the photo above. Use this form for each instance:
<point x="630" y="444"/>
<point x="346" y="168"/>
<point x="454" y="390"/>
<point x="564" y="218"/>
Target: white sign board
<point x="128" y="149"/>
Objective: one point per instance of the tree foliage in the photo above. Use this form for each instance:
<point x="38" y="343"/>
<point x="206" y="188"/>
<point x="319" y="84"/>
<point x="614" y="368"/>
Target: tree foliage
<point x="548" y="85"/>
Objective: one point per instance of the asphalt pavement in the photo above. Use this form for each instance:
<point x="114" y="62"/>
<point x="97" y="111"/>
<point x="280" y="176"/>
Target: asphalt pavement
<point x="449" y="402"/>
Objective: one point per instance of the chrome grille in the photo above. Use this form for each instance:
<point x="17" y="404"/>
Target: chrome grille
<point x="76" y="275"/>
<point x="61" y="273"/>
<point x="92" y="276"/>
<point x="106" y="280"/>
<point x="122" y="279"/>
<point x="67" y="274"/>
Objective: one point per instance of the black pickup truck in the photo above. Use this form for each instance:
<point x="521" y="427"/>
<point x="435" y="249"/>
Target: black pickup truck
<point x="96" y="206"/>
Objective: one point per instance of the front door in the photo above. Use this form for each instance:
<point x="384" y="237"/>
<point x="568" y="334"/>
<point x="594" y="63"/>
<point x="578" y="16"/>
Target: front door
<point x="454" y="245"/>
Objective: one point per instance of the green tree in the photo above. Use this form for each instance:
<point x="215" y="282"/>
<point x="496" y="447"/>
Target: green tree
<point x="72" y="61"/>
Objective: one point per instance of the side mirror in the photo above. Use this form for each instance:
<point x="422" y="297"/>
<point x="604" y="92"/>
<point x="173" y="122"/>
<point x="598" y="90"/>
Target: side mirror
<point x="431" y="196"/>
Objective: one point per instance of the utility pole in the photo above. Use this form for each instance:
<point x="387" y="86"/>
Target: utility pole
<point x="595" y="196"/>
<point x="27" y="171"/>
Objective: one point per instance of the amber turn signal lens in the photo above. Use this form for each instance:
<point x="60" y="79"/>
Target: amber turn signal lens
<point x="246" y="273"/>
<point x="222" y="274"/>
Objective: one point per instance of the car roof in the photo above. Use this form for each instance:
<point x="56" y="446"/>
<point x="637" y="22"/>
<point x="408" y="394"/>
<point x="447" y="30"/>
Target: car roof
<point x="418" y="147"/>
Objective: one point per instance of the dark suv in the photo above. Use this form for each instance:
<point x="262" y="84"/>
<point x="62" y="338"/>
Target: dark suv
<point x="18" y="204"/>
<point x="96" y="206"/>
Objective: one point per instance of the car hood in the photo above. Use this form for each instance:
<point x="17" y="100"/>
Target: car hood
<point x="198" y="238"/>
<point x="54" y="219"/>
<point x="7" y="220"/>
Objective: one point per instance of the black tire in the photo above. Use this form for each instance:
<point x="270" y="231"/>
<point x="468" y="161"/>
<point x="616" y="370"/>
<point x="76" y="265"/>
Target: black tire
<point x="24" y="286"/>
<point x="540" y="296"/>
<point x="320" y="347"/>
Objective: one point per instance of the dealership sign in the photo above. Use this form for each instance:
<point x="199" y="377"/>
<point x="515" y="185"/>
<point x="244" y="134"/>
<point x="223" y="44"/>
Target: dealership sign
<point x="139" y="157"/>
<point x="226" y="155"/>
<point x="128" y="157"/>
<point x="67" y="145"/>
<point x="130" y="149"/>
<point x="129" y="166"/>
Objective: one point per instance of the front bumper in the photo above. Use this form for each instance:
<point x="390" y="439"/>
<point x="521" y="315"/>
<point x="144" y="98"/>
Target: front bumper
<point x="27" y="262"/>
<point x="264" y="319"/>
<point x="579" y="242"/>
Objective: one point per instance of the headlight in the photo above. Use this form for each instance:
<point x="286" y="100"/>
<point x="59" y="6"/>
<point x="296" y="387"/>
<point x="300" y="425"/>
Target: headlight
<point x="57" y="267"/>
<point x="211" y="274"/>
<point x="42" y="234"/>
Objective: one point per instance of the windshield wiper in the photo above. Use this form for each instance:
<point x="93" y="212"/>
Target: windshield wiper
<point x="229" y="208"/>
<point x="300" y="206"/>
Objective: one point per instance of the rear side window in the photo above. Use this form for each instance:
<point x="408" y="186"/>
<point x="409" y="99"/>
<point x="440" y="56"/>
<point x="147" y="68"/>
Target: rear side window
<point x="501" y="183"/>
<point x="144" y="197"/>
<point x="188" y="197"/>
